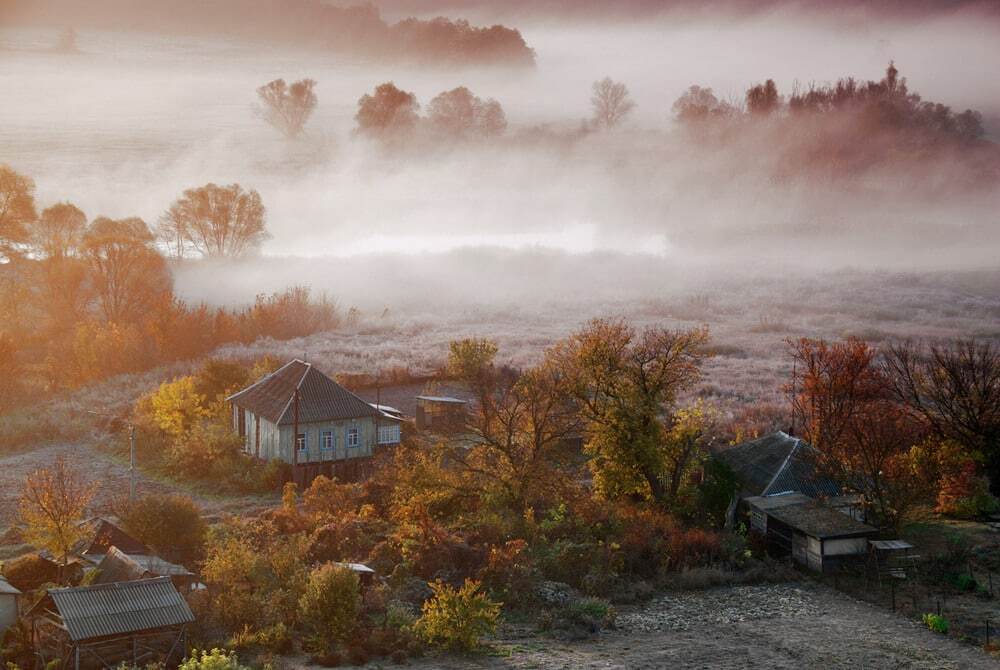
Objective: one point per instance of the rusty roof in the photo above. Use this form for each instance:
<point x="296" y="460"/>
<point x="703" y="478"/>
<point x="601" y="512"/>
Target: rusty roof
<point x="107" y="610"/>
<point x="320" y="398"/>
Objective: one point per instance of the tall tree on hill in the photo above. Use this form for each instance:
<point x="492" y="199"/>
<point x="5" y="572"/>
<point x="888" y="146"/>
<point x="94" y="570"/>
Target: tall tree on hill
<point x="215" y="221"/>
<point x="611" y="103"/>
<point x="17" y="210"/>
<point x="287" y="107"/>
<point x="130" y="276"/>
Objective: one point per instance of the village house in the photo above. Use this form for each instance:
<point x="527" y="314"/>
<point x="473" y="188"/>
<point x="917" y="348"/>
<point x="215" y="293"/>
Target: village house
<point x="140" y="622"/>
<point x="302" y="417"/>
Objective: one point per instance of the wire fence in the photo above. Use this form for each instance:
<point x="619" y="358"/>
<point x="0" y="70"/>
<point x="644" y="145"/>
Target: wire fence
<point x="969" y="615"/>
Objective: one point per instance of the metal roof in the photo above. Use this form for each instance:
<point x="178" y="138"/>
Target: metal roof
<point x="890" y="545"/>
<point x="115" y="609"/>
<point x="320" y="398"/>
<point x="443" y="398"/>
<point x="117" y="566"/>
<point x="778" y="463"/>
<point x="102" y="535"/>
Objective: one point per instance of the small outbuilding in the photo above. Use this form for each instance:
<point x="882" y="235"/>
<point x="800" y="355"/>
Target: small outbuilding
<point x="10" y="600"/>
<point x="816" y="535"/>
<point x="137" y="622"/>
<point x="118" y="566"/>
<point x="441" y="413"/>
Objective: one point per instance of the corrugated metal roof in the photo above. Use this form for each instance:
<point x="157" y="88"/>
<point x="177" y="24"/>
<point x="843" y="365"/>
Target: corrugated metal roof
<point x="443" y="399"/>
<point x="320" y="398"/>
<point x="778" y="463"/>
<point x="119" y="567"/>
<point x="114" y="609"/>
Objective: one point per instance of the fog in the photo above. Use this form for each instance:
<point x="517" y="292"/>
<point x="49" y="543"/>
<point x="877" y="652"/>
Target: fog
<point x="134" y="118"/>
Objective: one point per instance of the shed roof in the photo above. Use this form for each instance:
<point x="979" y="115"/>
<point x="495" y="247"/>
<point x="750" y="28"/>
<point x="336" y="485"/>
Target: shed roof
<point x="107" y="610"/>
<point x="778" y="463"/>
<point x="320" y="398"/>
<point x="443" y="399"/>
<point x="102" y="535"/>
<point x="7" y="589"/>
<point x="818" y="520"/>
<point x="117" y="566"/>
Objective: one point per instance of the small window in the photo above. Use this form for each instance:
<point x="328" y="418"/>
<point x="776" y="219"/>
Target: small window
<point x="388" y="434"/>
<point x="300" y="441"/>
<point x="352" y="437"/>
<point x="327" y="440"/>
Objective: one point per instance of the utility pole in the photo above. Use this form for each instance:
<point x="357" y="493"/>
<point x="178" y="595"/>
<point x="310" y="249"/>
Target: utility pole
<point x="131" y="463"/>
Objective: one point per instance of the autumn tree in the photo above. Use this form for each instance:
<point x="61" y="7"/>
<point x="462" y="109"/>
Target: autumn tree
<point x="129" y="274"/>
<point x="843" y="406"/>
<point x="387" y="111"/>
<point x="699" y="104"/>
<point x="458" y="113"/>
<point x="611" y="103"/>
<point x="17" y="210"/>
<point x="330" y="603"/>
<point x="626" y="383"/>
<point x="58" y="232"/>
<point x="522" y="423"/>
<point x="763" y="99"/>
<point x="287" y="107"/>
<point x="52" y="504"/>
<point x="215" y="221"/>
<point x="955" y="389"/>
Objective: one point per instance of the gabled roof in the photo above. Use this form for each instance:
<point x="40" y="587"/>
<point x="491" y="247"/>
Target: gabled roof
<point x="320" y="398"/>
<point x="776" y="464"/>
<point x="103" y="610"/>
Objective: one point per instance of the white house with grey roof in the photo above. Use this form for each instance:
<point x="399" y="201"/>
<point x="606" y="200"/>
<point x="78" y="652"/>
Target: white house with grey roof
<point x="297" y="405"/>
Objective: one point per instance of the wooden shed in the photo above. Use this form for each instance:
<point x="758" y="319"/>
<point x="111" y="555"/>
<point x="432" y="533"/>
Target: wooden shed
<point x="118" y="566"/>
<point x="138" y="622"/>
<point x="816" y="535"/>
<point x="441" y="413"/>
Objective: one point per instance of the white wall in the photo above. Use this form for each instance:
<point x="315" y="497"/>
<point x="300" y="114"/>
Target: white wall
<point x="845" y="546"/>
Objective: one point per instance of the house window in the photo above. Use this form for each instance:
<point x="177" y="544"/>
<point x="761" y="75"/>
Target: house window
<point x="326" y="440"/>
<point x="388" y="434"/>
<point x="352" y="437"/>
<point x="300" y="442"/>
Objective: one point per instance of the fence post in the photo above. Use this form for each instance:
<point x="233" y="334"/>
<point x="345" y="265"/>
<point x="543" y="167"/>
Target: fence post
<point x="987" y="632"/>
<point x="892" y="584"/>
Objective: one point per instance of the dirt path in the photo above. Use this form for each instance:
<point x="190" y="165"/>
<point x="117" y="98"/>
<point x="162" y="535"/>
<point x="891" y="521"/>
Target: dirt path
<point x="790" y="626"/>
<point x="110" y="475"/>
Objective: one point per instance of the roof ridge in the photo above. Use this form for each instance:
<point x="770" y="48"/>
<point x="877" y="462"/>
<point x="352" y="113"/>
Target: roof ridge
<point x="263" y="379"/>
<point x="112" y="585"/>
<point x="784" y="465"/>
<point x="305" y="373"/>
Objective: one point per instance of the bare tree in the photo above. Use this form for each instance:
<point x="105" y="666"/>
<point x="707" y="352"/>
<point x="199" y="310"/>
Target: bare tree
<point x="215" y="221"/>
<point x="611" y="103"/>
<point x="285" y="107"/>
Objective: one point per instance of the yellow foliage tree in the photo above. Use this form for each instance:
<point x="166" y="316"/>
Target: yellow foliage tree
<point x="52" y="504"/>
<point x="176" y="406"/>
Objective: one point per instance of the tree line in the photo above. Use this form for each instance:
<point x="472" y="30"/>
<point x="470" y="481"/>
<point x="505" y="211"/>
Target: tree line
<point x="86" y="299"/>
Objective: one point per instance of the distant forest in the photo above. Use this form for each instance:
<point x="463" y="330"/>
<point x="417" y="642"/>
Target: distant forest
<point x="357" y="30"/>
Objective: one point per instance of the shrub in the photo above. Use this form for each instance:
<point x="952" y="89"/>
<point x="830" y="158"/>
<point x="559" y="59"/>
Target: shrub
<point x="936" y="623"/>
<point x="593" y="613"/>
<point x="331" y="602"/>
<point x="170" y="524"/>
<point x="399" y="657"/>
<point x="693" y="547"/>
<point x="216" y="659"/>
<point x="457" y="618"/>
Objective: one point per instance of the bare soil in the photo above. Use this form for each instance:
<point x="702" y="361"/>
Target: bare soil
<point x="780" y="626"/>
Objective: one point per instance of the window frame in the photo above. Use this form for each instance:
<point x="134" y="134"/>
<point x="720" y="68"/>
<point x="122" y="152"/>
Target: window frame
<point x="325" y="437"/>
<point x="302" y="442"/>
<point x="355" y="433"/>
